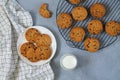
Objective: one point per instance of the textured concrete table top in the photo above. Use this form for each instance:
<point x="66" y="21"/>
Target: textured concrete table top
<point x="102" y="65"/>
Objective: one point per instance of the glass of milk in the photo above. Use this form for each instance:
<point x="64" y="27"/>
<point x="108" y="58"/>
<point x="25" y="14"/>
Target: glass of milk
<point x="68" y="62"/>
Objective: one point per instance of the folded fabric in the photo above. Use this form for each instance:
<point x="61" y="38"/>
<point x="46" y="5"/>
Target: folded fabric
<point x="13" y="20"/>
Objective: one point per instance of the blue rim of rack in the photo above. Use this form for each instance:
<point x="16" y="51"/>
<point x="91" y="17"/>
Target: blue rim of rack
<point x="74" y="22"/>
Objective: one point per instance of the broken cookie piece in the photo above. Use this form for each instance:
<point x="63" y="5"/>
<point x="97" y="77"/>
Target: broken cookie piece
<point x="44" y="12"/>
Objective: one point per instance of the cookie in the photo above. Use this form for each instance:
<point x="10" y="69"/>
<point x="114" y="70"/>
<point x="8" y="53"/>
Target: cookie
<point x="37" y="54"/>
<point x="24" y="48"/>
<point x="79" y="13"/>
<point x="112" y="28"/>
<point x="64" y="20"/>
<point x="30" y="55"/>
<point x="31" y="34"/>
<point x="77" y="34"/>
<point x="97" y="10"/>
<point x="75" y="1"/>
<point x="43" y="40"/>
<point x="91" y="44"/>
<point x="33" y="56"/>
<point x="95" y="27"/>
<point x="44" y="12"/>
<point x="43" y="52"/>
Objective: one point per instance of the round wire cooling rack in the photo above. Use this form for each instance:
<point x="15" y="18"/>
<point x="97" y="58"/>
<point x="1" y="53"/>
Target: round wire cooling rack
<point x="112" y="13"/>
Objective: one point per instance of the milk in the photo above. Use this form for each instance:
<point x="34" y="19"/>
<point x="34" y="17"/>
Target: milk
<point x="68" y="61"/>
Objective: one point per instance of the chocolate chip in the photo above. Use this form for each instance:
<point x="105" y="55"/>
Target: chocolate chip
<point x="113" y="27"/>
<point x="90" y="23"/>
<point x="46" y="49"/>
<point x="95" y="48"/>
<point x="88" y="46"/>
<point x="78" y="8"/>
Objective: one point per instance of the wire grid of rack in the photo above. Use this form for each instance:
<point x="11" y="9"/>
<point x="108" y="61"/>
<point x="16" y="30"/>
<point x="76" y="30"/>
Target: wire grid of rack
<point x="112" y="7"/>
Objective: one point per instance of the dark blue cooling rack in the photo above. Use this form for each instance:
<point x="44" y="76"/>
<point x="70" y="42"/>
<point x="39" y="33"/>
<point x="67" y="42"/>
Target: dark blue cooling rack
<point x="113" y="13"/>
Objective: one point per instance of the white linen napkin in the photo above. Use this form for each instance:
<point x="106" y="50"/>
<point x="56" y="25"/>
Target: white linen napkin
<point x="13" y="20"/>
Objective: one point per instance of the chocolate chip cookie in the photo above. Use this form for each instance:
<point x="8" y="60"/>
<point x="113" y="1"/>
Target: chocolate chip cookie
<point x="91" y="44"/>
<point x="112" y="28"/>
<point x="31" y="34"/>
<point x="77" y="34"/>
<point x="43" y="52"/>
<point x="95" y="27"/>
<point x="75" y="1"/>
<point x="30" y="55"/>
<point x="25" y="47"/>
<point x="43" y="40"/>
<point x="44" y="11"/>
<point x="79" y="13"/>
<point x="97" y="10"/>
<point x="64" y="20"/>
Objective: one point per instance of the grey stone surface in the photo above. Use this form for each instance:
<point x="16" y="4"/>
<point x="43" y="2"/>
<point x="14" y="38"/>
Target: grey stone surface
<point x="102" y="65"/>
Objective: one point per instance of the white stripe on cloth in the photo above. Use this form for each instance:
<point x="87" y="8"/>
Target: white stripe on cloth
<point x="13" y="20"/>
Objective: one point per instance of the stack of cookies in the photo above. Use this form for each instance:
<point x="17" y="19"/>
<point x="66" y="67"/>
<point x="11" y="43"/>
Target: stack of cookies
<point x="95" y="26"/>
<point x="38" y="46"/>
